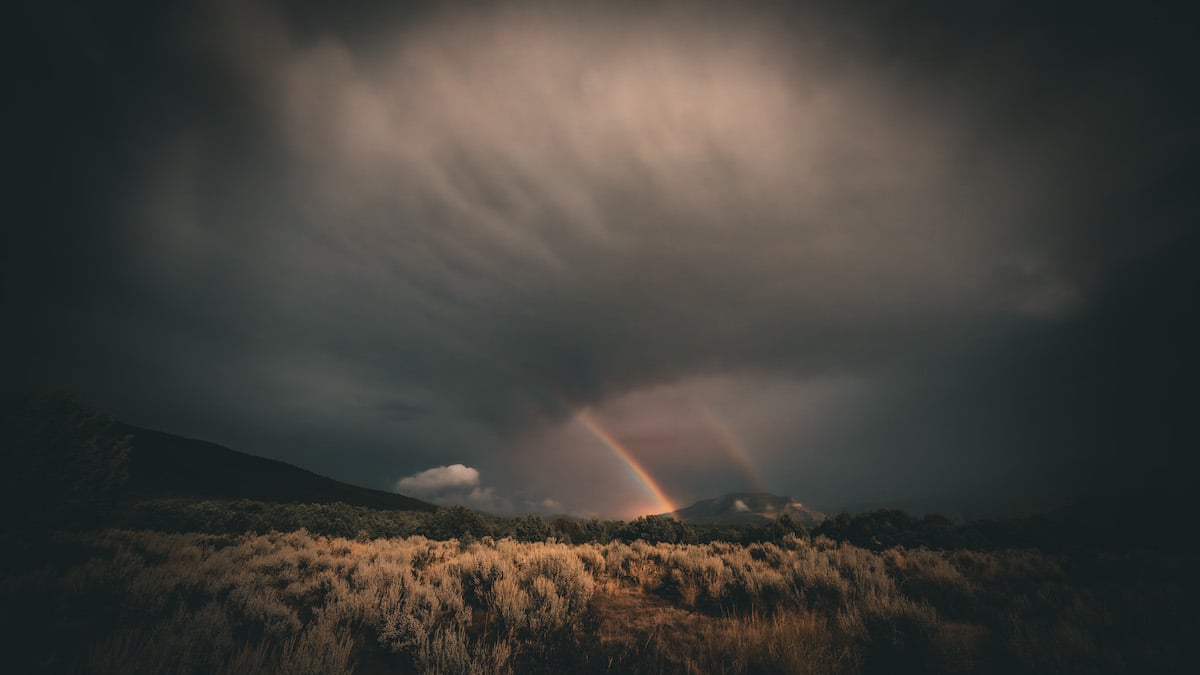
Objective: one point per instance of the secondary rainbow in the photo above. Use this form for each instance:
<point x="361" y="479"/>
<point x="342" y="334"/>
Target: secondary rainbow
<point x="625" y="456"/>
<point x="736" y="451"/>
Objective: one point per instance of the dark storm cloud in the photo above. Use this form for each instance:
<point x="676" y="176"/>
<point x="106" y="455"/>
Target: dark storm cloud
<point x="375" y="242"/>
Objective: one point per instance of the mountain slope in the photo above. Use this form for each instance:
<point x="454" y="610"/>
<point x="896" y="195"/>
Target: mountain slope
<point x="748" y="507"/>
<point x="163" y="465"/>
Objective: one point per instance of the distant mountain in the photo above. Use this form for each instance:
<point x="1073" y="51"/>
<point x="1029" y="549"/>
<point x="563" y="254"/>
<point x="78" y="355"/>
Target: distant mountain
<point x="163" y="465"/>
<point x="748" y="507"/>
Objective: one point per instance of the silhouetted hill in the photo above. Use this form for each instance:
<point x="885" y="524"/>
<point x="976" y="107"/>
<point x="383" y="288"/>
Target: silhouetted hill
<point x="163" y="465"/>
<point x="748" y="508"/>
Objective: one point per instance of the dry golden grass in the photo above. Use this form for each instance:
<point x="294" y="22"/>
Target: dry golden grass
<point x="297" y="603"/>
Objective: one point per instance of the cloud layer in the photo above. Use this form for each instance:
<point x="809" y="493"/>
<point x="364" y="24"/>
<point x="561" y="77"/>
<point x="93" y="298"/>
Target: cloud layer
<point x="832" y="253"/>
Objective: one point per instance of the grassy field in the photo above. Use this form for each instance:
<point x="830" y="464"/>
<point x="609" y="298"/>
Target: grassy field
<point x="117" y="601"/>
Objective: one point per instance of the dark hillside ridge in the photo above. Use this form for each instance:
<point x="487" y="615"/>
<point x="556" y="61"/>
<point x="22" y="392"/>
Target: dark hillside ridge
<point x="163" y="465"/>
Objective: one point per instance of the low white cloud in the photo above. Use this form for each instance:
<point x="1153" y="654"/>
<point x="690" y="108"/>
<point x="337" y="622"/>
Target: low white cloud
<point x="740" y="505"/>
<point x="482" y="499"/>
<point x="438" y="480"/>
<point x="459" y="484"/>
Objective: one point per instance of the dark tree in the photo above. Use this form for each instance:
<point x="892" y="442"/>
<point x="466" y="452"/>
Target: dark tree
<point x="531" y="527"/>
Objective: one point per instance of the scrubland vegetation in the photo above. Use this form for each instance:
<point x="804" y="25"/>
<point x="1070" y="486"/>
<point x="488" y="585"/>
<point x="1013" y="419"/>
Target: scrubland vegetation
<point x="95" y="579"/>
<point x="118" y="601"/>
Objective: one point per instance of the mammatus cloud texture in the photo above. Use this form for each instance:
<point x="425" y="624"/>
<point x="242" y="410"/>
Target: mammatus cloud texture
<point x="861" y="257"/>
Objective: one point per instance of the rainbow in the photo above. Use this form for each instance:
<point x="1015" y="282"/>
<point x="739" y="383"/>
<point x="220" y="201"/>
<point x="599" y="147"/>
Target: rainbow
<point x="736" y="451"/>
<point x="584" y="418"/>
<point x="625" y="456"/>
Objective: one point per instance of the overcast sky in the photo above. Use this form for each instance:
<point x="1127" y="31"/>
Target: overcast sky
<point x="612" y="257"/>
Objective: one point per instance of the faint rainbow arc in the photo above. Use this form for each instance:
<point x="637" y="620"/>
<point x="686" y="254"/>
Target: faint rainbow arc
<point x="736" y="451"/>
<point x="625" y="456"/>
